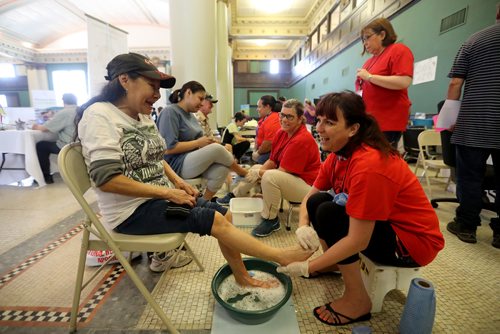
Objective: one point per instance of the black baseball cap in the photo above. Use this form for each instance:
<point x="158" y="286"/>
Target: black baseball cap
<point x="134" y="62"/>
<point x="210" y="98"/>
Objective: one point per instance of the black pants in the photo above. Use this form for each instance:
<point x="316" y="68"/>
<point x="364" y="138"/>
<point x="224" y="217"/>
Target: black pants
<point x="331" y="222"/>
<point x="43" y="150"/>
<point x="240" y="149"/>
<point x="470" y="170"/>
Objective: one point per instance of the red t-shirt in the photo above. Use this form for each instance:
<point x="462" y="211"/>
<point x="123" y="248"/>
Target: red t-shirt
<point x="391" y="108"/>
<point x="298" y="155"/>
<point x="267" y="128"/>
<point x="385" y="190"/>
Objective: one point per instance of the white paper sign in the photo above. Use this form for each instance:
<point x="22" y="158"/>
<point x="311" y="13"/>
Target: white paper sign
<point x="424" y="70"/>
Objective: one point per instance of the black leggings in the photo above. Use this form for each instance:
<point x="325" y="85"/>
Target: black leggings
<point x="240" y="149"/>
<point x="331" y="222"/>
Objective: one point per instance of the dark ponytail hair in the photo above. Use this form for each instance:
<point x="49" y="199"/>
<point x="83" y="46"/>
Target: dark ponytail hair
<point x="178" y="94"/>
<point x="353" y="109"/>
<point x="269" y="100"/>
<point x="111" y="92"/>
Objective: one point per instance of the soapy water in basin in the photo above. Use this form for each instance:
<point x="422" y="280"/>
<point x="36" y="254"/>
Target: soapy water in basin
<point x="251" y="298"/>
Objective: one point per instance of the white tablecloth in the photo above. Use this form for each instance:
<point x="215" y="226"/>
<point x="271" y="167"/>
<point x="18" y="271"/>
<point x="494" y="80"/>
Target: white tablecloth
<point x="24" y="142"/>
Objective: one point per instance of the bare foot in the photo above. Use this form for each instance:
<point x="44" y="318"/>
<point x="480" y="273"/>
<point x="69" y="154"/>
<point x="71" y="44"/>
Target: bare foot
<point x="294" y="254"/>
<point x="247" y="280"/>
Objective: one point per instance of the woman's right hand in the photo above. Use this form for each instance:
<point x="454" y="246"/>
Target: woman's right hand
<point x="204" y="141"/>
<point x="179" y="196"/>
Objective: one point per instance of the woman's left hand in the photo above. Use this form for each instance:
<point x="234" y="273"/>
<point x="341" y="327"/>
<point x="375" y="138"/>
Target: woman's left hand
<point x="183" y="185"/>
<point x="295" y="269"/>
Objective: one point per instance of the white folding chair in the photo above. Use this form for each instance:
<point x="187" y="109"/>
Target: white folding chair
<point x="426" y="140"/>
<point x="74" y="173"/>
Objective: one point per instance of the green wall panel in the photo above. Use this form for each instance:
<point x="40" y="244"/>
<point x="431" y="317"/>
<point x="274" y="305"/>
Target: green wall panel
<point x="418" y="28"/>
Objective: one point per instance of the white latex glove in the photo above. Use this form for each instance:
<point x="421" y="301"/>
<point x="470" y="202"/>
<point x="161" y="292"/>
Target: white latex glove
<point x="295" y="269"/>
<point x="308" y="238"/>
<point x="252" y="176"/>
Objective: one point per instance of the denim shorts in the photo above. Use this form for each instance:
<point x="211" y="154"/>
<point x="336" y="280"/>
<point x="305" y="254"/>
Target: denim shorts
<point x="151" y="218"/>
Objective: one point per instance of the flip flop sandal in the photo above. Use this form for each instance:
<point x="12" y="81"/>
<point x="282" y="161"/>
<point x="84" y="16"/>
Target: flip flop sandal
<point x="336" y="317"/>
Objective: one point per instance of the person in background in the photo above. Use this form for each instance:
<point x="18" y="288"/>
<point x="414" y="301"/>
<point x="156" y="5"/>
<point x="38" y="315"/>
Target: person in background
<point x="154" y="115"/>
<point x="288" y="173"/>
<point x="46" y="115"/>
<point x="476" y="133"/>
<point x="202" y="114"/>
<point x="231" y="137"/>
<point x="309" y="112"/>
<point x="365" y="199"/>
<point x="62" y="124"/>
<point x="384" y="79"/>
<point x="269" y="123"/>
<point x="124" y="154"/>
<point x="202" y="117"/>
<point x="189" y="152"/>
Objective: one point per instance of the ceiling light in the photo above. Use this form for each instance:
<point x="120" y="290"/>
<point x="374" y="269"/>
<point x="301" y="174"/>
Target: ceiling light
<point x="27" y="45"/>
<point x="260" y="42"/>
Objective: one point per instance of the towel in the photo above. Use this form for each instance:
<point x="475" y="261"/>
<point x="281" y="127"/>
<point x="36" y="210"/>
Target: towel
<point x="420" y="308"/>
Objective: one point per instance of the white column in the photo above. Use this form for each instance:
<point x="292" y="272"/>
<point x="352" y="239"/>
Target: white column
<point x="37" y="79"/>
<point x="192" y="36"/>
<point x="224" y="67"/>
<point x="230" y="78"/>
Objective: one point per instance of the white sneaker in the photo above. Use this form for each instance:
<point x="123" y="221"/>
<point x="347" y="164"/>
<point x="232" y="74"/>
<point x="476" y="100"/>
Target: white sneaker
<point x="162" y="261"/>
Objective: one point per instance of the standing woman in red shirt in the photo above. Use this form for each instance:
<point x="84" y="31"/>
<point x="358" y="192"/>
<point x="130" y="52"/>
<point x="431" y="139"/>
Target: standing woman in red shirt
<point x="365" y="199"/>
<point x="385" y="77"/>
<point x="269" y="123"/>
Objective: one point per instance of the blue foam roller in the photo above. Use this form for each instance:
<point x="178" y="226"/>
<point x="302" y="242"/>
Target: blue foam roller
<point x="420" y="308"/>
<point x="361" y="330"/>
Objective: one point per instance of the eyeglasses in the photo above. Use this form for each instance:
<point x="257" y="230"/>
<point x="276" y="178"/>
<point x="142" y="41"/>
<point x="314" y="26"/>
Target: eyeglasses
<point x="288" y="116"/>
<point x="365" y="38"/>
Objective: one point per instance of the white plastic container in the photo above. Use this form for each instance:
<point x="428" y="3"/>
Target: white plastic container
<point x="246" y="210"/>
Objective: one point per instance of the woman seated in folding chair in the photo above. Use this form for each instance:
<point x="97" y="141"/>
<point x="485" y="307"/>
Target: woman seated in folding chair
<point x="124" y="153"/>
<point x="374" y="205"/>
<point x="190" y="153"/>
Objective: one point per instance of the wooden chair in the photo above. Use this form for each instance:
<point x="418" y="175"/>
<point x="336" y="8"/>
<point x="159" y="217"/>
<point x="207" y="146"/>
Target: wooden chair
<point x="74" y="173"/>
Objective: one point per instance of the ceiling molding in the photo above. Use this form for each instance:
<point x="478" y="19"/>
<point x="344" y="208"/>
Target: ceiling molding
<point x="42" y="22"/>
<point x="7" y="5"/>
<point x="72" y="9"/>
<point x="146" y="12"/>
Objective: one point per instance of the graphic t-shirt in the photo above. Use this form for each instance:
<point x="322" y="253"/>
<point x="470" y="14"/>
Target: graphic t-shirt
<point x="109" y="136"/>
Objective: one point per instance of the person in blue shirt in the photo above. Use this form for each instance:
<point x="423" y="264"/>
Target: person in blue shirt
<point x="189" y="152"/>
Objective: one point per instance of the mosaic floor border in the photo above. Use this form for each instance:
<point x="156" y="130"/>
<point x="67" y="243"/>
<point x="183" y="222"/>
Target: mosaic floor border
<point x="56" y="316"/>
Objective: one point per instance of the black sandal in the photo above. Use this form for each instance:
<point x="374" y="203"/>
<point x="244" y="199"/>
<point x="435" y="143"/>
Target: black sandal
<point x="336" y="317"/>
<point x="317" y="274"/>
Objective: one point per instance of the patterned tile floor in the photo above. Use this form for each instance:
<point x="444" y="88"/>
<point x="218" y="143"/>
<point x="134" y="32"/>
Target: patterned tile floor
<point x="465" y="276"/>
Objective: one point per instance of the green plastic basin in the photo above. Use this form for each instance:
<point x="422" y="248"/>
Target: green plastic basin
<point x="252" y="317"/>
